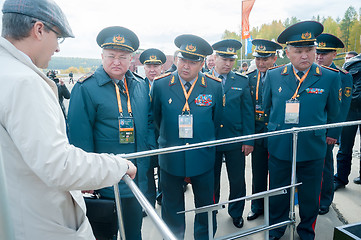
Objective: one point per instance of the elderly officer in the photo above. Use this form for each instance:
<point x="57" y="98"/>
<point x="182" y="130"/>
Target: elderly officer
<point x="237" y="120"/>
<point x="153" y="60"/>
<point x="299" y="94"/>
<point x="265" y="54"/>
<point x="327" y="45"/>
<point x="187" y="106"/>
<point x="108" y="113"/>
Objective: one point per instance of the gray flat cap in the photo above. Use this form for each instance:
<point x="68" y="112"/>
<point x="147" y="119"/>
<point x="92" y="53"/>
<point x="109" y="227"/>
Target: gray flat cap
<point x="44" y="10"/>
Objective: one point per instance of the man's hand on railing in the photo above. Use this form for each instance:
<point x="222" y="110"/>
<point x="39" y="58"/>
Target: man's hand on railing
<point x="247" y="149"/>
<point x="330" y="140"/>
<point x="132" y="170"/>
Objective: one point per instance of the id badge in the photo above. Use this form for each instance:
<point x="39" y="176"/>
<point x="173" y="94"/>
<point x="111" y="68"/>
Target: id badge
<point x="292" y="112"/>
<point x="185" y="125"/>
<point x="259" y="114"/>
<point x="126" y="130"/>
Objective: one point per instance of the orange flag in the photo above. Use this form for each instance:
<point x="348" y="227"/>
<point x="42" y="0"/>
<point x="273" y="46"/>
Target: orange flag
<point x="246" y="10"/>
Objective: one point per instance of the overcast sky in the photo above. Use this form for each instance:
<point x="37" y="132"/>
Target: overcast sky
<point x="158" y="22"/>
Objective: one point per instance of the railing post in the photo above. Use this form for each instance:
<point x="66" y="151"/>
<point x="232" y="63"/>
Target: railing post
<point x="119" y="212"/>
<point x="292" y="214"/>
<point x="266" y="215"/>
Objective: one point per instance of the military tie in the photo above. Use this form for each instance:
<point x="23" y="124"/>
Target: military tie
<point x="188" y="86"/>
<point x="121" y="86"/>
<point x="300" y="75"/>
<point x="222" y="78"/>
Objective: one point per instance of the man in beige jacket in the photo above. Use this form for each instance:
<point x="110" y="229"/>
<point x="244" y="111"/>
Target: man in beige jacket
<point x="44" y="173"/>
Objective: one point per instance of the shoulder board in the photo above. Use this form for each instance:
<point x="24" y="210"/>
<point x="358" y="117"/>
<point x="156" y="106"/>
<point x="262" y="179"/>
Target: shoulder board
<point x="213" y="77"/>
<point x="137" y="75"/>
<point x="162" y="76"/>
<point x="241" y="75"/>
<point x="276" y="67"/>
<point x="342" y="70"/>
<point x="252" y="71"/>
<point x="85" y="77"/>
<point x="335" y="70"/>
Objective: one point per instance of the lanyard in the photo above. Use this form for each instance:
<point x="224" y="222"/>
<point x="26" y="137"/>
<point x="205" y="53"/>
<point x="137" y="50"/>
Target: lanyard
<point x="300" y="81"/>
<point x="257" y="88"/>
<point x="120" y="101"/>
<point x="187" y="94"/>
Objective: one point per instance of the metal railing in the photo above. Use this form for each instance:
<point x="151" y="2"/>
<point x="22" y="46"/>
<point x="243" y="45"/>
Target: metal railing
<point x="6" y="225"/>
<point x="166" y="233"/>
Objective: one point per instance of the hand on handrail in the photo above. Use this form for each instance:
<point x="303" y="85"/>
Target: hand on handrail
<point x="132" y="170"/>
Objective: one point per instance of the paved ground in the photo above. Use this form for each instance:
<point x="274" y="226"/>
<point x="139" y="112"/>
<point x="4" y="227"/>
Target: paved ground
<point x="346" y="208"/>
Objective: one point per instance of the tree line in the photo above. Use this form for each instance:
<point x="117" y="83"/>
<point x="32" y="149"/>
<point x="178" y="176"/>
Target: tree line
<point x="348" y="29"/>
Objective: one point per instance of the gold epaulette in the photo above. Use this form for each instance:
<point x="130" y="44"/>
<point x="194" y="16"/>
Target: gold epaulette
<point x="213" y="77"/>
<point x="162" y="76"/>
<point x="335" y="70"/>
<point x="274" y="67"/>
<point x="85" y="77"/>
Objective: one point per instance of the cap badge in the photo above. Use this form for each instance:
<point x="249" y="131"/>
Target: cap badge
<point x="153" y="57"/>
<point x="230" y="50"/>
<point x="118" y="39"/>
<point x="322" y="44"/>
<point x="306" y="35"/>
<point x="261" y="47"/>
<point x="191" y="48"/>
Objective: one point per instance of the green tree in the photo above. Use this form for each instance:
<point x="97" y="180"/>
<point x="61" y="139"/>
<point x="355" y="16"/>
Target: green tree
<point x="346" y="23"/>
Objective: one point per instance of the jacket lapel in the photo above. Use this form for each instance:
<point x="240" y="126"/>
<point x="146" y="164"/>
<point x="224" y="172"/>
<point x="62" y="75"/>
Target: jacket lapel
<point x="175" y="86"/>
<point x="229" y="81"/>
<point x="288" y="78"/>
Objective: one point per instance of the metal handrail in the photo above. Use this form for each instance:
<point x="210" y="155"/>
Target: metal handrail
<point x="233" y="140"/>
<point x="164" y="230"/>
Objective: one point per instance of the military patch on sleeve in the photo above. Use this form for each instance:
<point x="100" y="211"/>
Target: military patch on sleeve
<point x="213" y="77"/>
<point x="348" y="91"/>
<point x="85" y="77"/>
<point x="162" y="76"/>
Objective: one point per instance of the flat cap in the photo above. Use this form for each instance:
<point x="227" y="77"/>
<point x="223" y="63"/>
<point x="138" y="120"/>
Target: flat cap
<point x="227" y="48"/>
<point x="152" y="56"/>
<point x="44" y="10"/>
<point x="192" y="47"/>
<point x="118" y="38"/>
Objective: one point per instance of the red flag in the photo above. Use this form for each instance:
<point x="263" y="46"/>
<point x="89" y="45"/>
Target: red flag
<point x="246" y="10"/>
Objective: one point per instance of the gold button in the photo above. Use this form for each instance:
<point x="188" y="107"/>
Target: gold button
<point x="221" y="125"/>
<point x="265" y="115"/>
<point x="298" y="95"/>
<point x="266" y="124"/>
<point x="187" y="143"/>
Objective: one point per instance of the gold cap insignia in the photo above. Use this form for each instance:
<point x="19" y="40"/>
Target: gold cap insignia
<point x="191" y="48"/>
<point x="153" y="57"/>
<point x="230" y="50"/>
<point x="118" y="39"/>
<point x="261" y="47"/>
<point x="322" y="44"/>
<point x="306" y="35"/>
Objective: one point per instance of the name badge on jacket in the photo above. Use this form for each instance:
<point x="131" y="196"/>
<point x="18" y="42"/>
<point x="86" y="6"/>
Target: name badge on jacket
<point x="203" y="100"/>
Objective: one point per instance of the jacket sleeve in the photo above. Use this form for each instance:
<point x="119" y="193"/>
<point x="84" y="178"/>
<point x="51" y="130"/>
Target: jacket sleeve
<point x="333" y="102"/>
<point x="35" y="123"/>
<point x="81" y="118"/>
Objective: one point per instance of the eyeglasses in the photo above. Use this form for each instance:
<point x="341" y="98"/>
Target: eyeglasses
<point x="59" y="37"/>
<point x="113" y="58"/>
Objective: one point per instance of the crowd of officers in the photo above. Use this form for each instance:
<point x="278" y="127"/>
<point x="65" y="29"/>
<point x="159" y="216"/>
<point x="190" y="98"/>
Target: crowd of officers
<point x="114" y="111"/>
<point x="200" y="99"/>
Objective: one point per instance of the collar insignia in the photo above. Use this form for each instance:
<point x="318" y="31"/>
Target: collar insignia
<point x="318" y="70"/>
